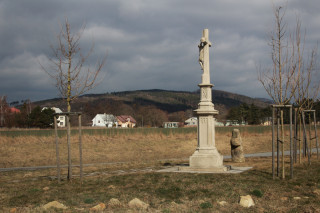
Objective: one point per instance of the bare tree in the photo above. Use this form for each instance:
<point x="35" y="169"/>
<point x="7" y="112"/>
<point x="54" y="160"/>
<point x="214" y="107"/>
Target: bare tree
<point x="69" y="71"/>
<point x="292" y="74"/>
<point x="307" y="89"/>
<point x="278" y="79"/>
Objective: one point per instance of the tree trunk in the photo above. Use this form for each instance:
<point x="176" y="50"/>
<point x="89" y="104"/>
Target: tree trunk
<point x="300" y="139"/>
<point x="69" y="148"/>
<point x="310" y="137"/>
<point x="282" y="144"/>
<point x="80" y="148"/>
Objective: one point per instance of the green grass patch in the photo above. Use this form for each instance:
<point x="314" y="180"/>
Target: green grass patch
<point x="257" y="193"/>
<point x="89" y="200"/>
<point x="206" y="205"/>
<point x="190" y="192"/>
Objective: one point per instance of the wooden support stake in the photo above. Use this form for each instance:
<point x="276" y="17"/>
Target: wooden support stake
<point x="307" y="150"/>
<point x="310" y="137"/>
<point x="295" y="136"/>
<point x="57" y="148"/>
<point x="315" y="131"/>
<point x="273" y="121"/>
<point x="291" y="146"/>
<point x="278" y="145"/>
<point x="80" y="147"/>
<point x="69" y="148"/>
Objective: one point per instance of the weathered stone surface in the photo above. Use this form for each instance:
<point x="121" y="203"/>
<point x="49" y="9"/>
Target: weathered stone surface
<point x="138" y="204"/>
<point x="13" y="210"/>
<point x="236" y="147"/>
<point x="54" y="204"/>
<point x="27" y="175"/>
<point x="111" y="187"/>
<point x="46" y="188"/>
<point x="113" y="202"/>
<point x="246" y="201"/>
<point x="316" y="191"/>
<point x="222" y="203"/>
<point x="99" y="207"/>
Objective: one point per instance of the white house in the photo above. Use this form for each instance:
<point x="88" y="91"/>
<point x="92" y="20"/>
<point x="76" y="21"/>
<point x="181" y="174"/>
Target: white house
<point x="104" y="120"/>
<point x="218" y="123"/>
<point x="191" y="121"/>
<point x="61" y="120"/>
<point x="170" y="124"/>
<point x="235" y="123"/>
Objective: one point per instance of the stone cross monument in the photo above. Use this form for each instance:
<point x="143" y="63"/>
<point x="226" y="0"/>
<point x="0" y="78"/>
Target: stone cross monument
<point x="206" y="157"/>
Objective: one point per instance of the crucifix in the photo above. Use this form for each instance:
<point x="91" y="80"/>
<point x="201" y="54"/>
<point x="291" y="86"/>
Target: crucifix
<point x="206" y="157"/>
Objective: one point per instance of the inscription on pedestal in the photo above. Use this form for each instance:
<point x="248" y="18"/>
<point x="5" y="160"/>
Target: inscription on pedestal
<point x="204" y="94"/>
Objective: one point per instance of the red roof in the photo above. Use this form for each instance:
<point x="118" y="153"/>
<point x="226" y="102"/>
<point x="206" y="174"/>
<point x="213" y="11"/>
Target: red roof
<point x="14" y="110"/>
<point x="126" y="118"/>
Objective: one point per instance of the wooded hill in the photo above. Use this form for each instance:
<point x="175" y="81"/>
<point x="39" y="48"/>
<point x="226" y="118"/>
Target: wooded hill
<point x="151" y="107"/>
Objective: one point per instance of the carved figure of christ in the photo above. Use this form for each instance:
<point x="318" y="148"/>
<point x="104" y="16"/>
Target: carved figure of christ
<point x="204" y="56"/>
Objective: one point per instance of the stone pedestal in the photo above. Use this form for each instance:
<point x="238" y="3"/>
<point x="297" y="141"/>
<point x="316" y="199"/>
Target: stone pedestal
<point x="206" y="157"/>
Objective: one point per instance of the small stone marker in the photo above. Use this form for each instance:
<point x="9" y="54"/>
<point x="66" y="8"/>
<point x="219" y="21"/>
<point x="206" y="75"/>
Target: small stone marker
<point x="246" y="201"/>
<point x="222" y="203"/>
<point x="99" y="207"/>
<point x="316" y="191"/>
<point x="113" y="202"/>
<point x="236" y="147"/>
<point x="46" y="188"/>
<point x="13" y="210"/>
<point x="54" y="204"/>
<point x="138" y="204"/>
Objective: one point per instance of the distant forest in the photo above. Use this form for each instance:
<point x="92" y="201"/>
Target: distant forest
<point x="151" y="108"/>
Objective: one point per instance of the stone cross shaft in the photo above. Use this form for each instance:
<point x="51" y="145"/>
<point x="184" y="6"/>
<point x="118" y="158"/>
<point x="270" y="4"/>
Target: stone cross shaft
<point x="205" y="104"/>
<point x="204" y="56"/>
<point x="206" y="157"/>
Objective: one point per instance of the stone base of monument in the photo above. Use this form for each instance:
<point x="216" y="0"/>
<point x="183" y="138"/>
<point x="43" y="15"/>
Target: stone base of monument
<point x="199" y="169"/>
<point x="206" y="160"/>
<point x="187" y="169"/>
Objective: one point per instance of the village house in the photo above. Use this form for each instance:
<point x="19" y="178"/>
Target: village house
<point x="193" y="121"/>
<point x="105" y="120"/>
<point x="170" y="124"/>
<point x="218" y="123"/>
<point x="126" y="121"/>
<point x="235" y="123"/>
<point x="266" y="121"/>
<point x="14" y="110"/>
<point x="61" y="120"/>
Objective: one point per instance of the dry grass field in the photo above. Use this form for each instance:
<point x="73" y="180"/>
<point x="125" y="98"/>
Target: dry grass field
<point x="22" y="151"/>
<point x="140" y="155"/>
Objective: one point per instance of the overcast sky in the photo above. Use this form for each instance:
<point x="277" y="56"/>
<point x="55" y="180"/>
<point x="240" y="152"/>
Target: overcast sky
<point x="151" y="44"/>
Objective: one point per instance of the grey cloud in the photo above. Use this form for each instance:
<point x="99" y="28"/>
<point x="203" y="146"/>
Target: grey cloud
<point x="150" y="44"/>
